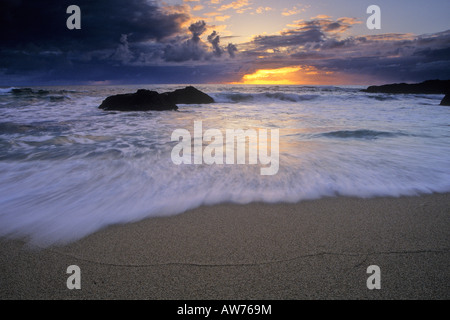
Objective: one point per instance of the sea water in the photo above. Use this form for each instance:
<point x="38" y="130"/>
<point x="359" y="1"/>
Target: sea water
<point x="68" y="169"/>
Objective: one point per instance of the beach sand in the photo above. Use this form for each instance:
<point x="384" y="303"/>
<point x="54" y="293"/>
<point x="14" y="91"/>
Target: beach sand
<point x="318" y="249"/>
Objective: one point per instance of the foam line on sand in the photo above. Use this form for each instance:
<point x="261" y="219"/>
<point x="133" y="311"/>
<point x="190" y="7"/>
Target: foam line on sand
<point x="318" y="249"/>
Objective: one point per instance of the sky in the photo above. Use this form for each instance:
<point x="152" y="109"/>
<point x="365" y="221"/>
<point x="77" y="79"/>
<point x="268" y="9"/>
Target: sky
<point x="223" y="41"/>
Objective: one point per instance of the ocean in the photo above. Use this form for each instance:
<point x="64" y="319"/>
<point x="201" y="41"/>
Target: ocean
<point x="68" y="169"/>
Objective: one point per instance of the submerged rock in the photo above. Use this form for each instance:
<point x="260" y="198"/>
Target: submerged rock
<point x="446" y="100"/>
<point x="426" y="87"/>
<point x="146" y="100"/>
<point x="28" y="91"/>
<point x="22" y="91"/>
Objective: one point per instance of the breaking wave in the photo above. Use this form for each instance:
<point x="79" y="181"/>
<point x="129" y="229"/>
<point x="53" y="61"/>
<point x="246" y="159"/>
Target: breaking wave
<point x="235" y="97"/>
<point x="361" y="134"/>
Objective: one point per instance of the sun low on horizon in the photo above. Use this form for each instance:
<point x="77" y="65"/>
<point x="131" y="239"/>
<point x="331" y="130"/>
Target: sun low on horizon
<point x="293" y="75"/>
<point x="280" y="76"/>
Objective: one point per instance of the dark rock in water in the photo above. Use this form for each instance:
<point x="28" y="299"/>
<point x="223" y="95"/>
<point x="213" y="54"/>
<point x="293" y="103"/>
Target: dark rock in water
<point x="20" y="91"/>
<point x="146" y="100"/>
<point x="142" y="100"/>
<point x="189" y="95"/>
<point x="426" y="87"/>
<point x="446" y="100"/>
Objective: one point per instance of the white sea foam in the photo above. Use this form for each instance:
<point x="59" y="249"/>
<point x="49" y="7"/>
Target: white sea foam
<point x="238" y="97"/>
<point x="68" y="169"/>
<point x="6" y="90"/>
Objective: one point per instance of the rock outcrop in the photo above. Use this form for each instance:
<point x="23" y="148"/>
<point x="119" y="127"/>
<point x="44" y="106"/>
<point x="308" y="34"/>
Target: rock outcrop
<point x="147" y="100"/>
<point x="426" y="87"/>
<point x="446" y="100"/>
<point x="142" y="100"/>
<point x="28" y="91"/>
<point x="189" y="95"/>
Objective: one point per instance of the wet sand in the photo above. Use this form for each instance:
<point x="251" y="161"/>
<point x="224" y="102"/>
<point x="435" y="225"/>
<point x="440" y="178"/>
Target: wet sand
<point x="318" y="249"/>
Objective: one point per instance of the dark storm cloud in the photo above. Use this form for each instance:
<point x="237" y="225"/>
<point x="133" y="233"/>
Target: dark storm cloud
<point x="214" y="39"/>
<point x="194" y="49"/>
<point x="34" y="36"/>
<point x="189" y="50"/>
<point x="39" y="25"/>
<point x="96" y="72"/>
<point x="197" y="29"/>
<point x="36" y="45"/>
<point x="231" y="49"/>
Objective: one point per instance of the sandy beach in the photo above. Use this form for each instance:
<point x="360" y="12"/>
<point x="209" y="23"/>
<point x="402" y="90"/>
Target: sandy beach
<point x="318" y="249"/>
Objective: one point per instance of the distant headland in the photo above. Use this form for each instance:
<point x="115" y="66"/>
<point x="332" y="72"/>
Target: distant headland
<point x="426" y="87"/>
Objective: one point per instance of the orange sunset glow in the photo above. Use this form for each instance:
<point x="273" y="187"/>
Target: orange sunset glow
<point x="294" y="75"/>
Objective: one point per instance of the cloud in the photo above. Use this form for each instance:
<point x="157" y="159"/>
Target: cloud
<point x="238" y="4"/>
<point x="42" y="24"/>
<point x="192" y="49"/>
<point x="231" y="49"/>
<point x="198" y="7"/>
<point x="195" y="49"/>
<point x="211" y="14"/>
<point x="214" y="39"/>
<point x="326" y="24"/>
<point x="303" y="35"/>
<point x="260" y="10"/>
<point x="222" y="18"/>
<point x="320" y="43"/>
<point x="123" y="53"/>
<point x="294" y="10"/>
<point x="112" y="35"/>
<point x="148" y="40"/>
<point x="289" y="38"/>
<point x="197" y="29"/>
<point x="321" y="16"/>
